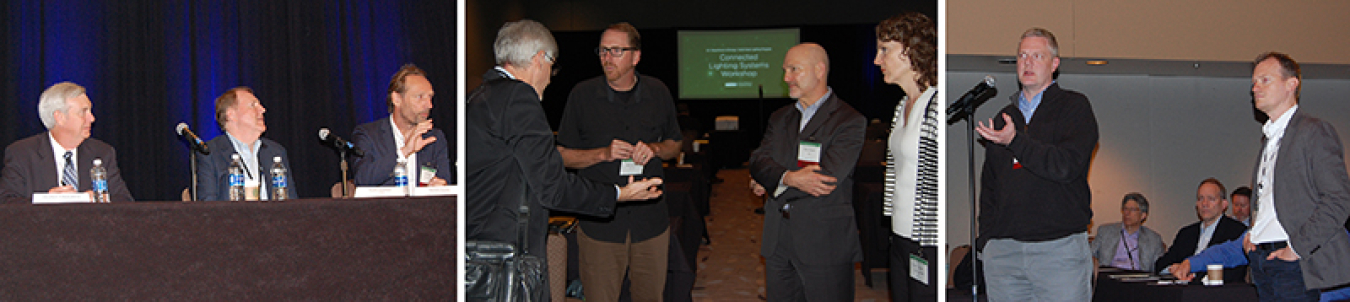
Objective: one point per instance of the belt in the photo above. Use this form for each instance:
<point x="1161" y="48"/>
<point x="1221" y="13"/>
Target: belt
<point x="1270" y="246"/>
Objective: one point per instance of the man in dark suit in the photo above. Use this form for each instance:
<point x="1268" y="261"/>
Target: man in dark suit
<point x="240" y="114"/>
<point x="59" y="160"/>
<point x="1211" y="200"/>
<point x="805" y="163"/>
<point x="1297" y="244"/>
<point x="422" y="147"/>
<point x="512" y="159"/>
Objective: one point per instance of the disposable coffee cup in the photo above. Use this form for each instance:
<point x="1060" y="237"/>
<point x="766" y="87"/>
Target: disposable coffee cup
<point x="1215" y="276"/>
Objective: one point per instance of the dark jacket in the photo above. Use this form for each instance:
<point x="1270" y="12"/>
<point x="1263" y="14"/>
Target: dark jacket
<point x="213" y="175"/>
<point x="29" y="168"/>
<point x="1045" y="196"/>
<point x="1188" y="237"/>
<point x="376" y="168"/>
<point x="823" y="228"/>
<point x="511" y="156"/>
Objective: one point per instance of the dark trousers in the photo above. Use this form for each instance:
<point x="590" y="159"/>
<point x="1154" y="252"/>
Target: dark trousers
<point x="904" y="288"/>
<point x="1278" y="280"/>
<point x="788" y="278"/>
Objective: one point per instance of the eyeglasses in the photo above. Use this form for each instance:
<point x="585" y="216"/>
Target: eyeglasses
<point x="552" y="61"/>
<point x="616" y="52"/>
<point x="1038" y="56"/>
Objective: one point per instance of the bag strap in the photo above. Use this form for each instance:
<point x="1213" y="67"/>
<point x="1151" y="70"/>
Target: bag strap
<point x="523" y="207"/>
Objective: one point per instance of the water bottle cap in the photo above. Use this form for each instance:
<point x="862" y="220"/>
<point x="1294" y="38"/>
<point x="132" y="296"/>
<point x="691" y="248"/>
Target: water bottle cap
<point x="276" y="159"/>
<point x="98" y="162"/>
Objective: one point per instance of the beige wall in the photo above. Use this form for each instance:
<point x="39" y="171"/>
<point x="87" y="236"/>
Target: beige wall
<point x="1233" y="30"/>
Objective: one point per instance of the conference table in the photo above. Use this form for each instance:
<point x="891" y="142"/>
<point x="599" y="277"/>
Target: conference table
<point x="396" y="249"/>
<point x="1114" y="289"/>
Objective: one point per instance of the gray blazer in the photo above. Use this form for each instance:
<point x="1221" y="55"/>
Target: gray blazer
<point x="1108" y="238"/>
<point x="1312" y="199"/>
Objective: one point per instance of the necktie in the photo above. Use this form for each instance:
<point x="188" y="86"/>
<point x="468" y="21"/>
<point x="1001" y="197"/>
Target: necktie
<point x="68" y="173"/>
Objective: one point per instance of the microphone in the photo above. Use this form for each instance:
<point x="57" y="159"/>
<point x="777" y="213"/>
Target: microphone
<point x="338" y="142"/>
<point x="971" y="100"/>
<point x="192" y="138"/>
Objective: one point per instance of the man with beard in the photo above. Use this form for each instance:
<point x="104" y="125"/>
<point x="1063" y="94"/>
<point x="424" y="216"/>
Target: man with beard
<point x="805" y="165"/>
<point x="614" y="127"/>
<point x="421" y="147"/>
<point x="512" y="161"/>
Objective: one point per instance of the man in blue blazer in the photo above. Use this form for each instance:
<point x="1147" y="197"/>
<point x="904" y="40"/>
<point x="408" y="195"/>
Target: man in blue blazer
<point x="240" y="114"/>
<point x="422" y="146"/>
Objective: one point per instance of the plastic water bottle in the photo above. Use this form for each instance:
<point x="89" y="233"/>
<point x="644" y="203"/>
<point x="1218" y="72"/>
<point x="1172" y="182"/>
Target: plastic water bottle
<point x="236" y="171"/>
<point x="278" y="179"/>
<point x="100" y="177"/>
<point x="401" y="175"/>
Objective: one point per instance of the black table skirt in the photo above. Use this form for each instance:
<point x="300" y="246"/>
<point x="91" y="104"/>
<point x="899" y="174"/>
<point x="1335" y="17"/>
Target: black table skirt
<point x="320" y="250"/>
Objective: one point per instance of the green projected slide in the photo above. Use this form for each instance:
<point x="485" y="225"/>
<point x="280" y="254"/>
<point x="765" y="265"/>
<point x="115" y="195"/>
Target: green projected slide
<point x="733" y="64"/>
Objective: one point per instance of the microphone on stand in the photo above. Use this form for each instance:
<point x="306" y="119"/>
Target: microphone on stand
<point x="338" y="142"/>
<point x="966" y="105"/>
<point x="194" y="141"/>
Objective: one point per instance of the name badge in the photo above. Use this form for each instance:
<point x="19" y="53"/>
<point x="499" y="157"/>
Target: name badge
<point x="627" y="167"/>
<point x="808" y="153"/>
<point x="918" y="269"/>
<point x="426" y="175"/>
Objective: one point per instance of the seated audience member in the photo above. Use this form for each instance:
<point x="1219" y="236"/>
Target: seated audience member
<point x="59" y="160"/>
<point x="1213" y="228"/>
<point x="240" y="114"/>
<point x="1242" y="205"/>
<point x="1128" y="244"/>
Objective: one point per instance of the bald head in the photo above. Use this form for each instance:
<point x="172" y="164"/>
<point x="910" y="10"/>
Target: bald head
<point x="805" y="69"/>
<point x="812" y="53"/>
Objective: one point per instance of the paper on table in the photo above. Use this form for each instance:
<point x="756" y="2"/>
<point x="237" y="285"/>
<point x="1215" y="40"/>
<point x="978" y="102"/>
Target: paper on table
<point x="57" y="198"/>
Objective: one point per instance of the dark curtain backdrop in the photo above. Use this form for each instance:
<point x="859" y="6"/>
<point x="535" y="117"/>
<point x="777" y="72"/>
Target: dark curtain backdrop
<point x="148" y="65"/>
<point x="852" y="75"/>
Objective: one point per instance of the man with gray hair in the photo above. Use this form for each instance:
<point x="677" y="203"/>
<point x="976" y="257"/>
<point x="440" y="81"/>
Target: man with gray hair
<point x="1035" y="204"/>
<point x="1128" y="244"/>
<point x="512" y="159"/>
<point x="58" y="161"/>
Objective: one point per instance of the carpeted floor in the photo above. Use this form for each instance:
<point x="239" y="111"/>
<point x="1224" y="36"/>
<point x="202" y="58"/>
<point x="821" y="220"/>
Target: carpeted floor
<point x="731" y="269"/>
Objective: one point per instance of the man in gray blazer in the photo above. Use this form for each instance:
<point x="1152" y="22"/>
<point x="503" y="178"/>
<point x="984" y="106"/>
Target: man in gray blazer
<point x="805" y="163"/>
<point x="1143" y="244"/>
<point x="1297" y="244"/>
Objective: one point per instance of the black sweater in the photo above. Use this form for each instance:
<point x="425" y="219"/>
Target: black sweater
<point x="1046" y="197"/>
